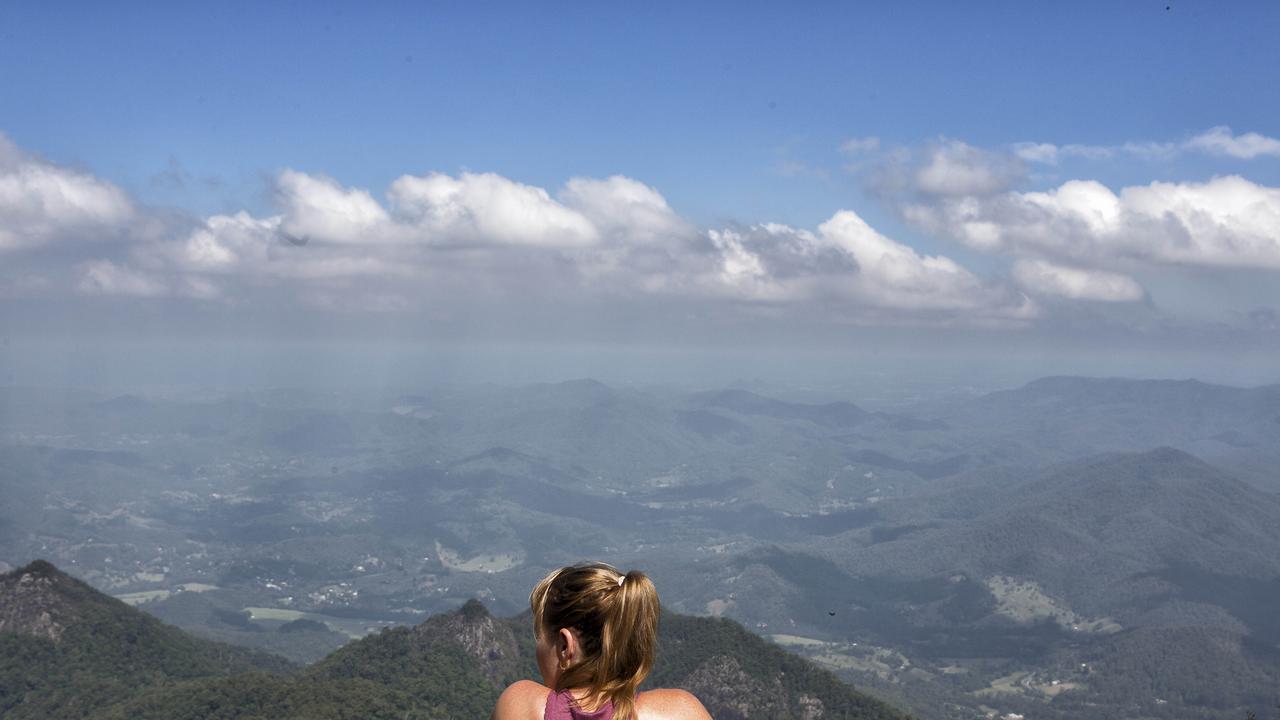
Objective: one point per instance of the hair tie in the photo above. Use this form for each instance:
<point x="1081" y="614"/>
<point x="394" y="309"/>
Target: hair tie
<point x="621" y="579"/>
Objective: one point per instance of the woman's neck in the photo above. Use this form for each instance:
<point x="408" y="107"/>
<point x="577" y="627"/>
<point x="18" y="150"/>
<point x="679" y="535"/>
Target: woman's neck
<point x="583" y="698"/>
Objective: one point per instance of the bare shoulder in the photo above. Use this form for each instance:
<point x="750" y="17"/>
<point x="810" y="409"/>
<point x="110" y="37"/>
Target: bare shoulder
<point x="670" y="704"/>
<point x="522" y="700"/>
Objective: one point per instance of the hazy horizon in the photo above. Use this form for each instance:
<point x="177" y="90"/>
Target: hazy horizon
<point x="876" y="379"/>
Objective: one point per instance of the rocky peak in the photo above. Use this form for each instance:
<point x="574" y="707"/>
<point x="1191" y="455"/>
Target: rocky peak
<point x="722" y="683"/>
<point x="33" y="601"/>
<point x="474" y="611"/>
<point x="484" y="638"/>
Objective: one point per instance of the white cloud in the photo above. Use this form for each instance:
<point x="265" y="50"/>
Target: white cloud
<point x="1042" y="277"/>
<point x="436" y="238"/>
<point x="848" y="262"/>
<point x="1050" y="154"/>
<point x="741" y="272"/>
<point x="471" y="209"/>
<point x="642" y="240"/>
<point x="1220" y="141"/>
<point x="327" y="233"/>
<point x="42" y="203"/>
<point x="484" y="208"/>
<point x="623" y="209"/>
<point x="894" y="275"/>
<point x="226" y="243"/>
<point x="956" y="168"/>
<point x="319" y="209"/>
<point x="1225" y="222"/>
<point x="1215" y="141"/>
<point x="1046" y="153"/>
<point x="230" y="247"/>
<point x="638" y="246"/>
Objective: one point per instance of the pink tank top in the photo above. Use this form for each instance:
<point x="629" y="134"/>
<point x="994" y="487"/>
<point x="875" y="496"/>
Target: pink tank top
<point x="560" y="706"/>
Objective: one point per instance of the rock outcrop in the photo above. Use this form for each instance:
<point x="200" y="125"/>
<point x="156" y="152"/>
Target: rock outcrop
<point x="33" y="601"/>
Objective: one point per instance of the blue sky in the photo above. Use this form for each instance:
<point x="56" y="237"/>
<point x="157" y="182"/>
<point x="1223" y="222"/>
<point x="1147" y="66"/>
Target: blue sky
<point x="729" y="115"/>
<point x="698" y="99"/>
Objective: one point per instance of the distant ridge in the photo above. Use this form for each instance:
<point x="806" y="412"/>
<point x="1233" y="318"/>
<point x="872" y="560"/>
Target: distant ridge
<point x="1085" y="390"/>
<point x="745" y="402"/>
<point x="583" y="390"/>
<point x="123" y="403"/>
<point x="1069" y="417"/>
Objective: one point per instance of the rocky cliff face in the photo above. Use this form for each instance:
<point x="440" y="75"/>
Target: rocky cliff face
<point x="490" y="641"/>
<point x="33" y="601"/>
<point x="721" y="682"/>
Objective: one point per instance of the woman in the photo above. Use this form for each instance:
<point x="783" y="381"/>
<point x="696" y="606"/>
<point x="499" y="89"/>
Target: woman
<point x="597" y="633"/>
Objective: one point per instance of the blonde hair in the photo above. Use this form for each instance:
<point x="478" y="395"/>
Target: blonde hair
<point x="616" y="620"/>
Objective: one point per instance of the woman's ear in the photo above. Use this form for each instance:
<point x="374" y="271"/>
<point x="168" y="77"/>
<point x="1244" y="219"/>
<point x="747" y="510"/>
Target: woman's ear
<point x="566" y="646"/>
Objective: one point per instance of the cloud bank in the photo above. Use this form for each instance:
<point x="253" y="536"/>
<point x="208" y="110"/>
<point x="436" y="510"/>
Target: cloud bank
<point x="1224" y="222"/>
<point x="437" y="243"/>
<point x="1082" y="240"/>
<point x="449" y="239"/>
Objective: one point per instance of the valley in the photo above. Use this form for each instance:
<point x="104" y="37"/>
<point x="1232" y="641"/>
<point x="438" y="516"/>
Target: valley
<point x="1024" y="551"/>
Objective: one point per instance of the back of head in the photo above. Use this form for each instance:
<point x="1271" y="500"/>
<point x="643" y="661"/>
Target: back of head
<point x="615" y="618"/>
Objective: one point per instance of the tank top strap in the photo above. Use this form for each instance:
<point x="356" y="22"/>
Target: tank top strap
<point x="560" y="706"/>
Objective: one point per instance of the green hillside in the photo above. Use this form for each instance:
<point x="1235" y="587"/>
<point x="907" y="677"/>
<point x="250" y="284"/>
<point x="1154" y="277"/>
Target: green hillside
<point x="67" y="650"/>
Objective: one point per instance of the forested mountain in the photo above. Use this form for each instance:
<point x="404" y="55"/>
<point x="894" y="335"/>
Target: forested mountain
<point x="69" y="651"/>
<point x="744" y="402"/>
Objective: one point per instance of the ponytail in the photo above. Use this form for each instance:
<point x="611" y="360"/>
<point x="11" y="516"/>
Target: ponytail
<point x="616" y="618"/>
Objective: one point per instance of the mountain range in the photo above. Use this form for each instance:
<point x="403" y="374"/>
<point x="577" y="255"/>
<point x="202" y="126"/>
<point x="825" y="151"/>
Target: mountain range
<point x="958" y="558"/>
<point x="69" y="651"/>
